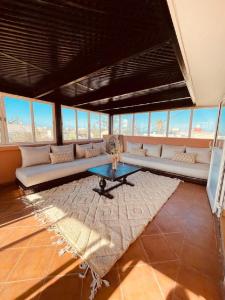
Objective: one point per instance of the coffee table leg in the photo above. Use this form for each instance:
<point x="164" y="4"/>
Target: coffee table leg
<point x="102" y="191"/>
<point x="102" y="184"/>
<point x="124" y="181"/>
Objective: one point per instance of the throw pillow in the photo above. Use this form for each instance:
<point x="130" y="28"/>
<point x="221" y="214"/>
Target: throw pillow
<point x="35" y="155"/>
<point x="137" y="151"/>
<point x="61" y="157"/>
<point x="185" y="157"/>
<point x="80" y="150"/>
<point x="92" y="152"/>
<point x="168" y="151"/>
<point x="203" y="155"/>
<point x="101" y="146"/>
<point x="152" y="150"/>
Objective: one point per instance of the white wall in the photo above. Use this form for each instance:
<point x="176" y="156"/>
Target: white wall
<point x="200" y="29"/>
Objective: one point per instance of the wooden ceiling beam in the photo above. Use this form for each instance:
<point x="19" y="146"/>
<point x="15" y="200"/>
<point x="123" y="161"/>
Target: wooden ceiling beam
<point x="170" y="104"/>
<point x="124" y="86"/>
<point x="170" y="94"/>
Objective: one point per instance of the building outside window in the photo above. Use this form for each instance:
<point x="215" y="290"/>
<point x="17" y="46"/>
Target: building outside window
<point x="82" y="124"/>
<point x="179" y="123"/>
<point x="158" y="124"/>
<point x="116" y="124"/>
<point x="204" y="123"/>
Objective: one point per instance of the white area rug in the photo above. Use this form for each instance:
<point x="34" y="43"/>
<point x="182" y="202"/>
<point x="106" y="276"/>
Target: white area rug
<point x="99" y="229"/>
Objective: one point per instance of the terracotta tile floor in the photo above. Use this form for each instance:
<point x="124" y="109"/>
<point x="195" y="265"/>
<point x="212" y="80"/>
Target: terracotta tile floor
<point x="176" y="258"/>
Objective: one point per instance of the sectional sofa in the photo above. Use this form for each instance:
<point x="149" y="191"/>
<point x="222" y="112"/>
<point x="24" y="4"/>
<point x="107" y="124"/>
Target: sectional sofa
<point x="38" y="174"/>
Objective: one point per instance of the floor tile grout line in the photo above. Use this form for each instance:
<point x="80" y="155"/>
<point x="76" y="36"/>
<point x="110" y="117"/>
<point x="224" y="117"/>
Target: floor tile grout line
<point x="120" y="287"/>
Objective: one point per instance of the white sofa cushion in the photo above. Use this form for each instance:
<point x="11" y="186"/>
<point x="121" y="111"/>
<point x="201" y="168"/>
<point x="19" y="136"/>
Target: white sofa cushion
<point x="38" y="174"/>
<point x="196" y="170"/>
<point x="137" y="151"/>
<point x="203" y="155"/>
<point x="92" y="152"/>
<point x="152" y="150"/>
<point x="80" y="150"/>
<point x="35" y="155"/>
<point x="168" y="151"/>
<point x="131" y="145"/>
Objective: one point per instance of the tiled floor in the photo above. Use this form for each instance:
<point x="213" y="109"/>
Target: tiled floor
<point x="177" y="257"/>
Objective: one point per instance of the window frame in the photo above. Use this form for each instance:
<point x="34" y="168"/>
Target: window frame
<point x="168" y="111"/>
<point x="89" y="124"/>
<point x="5" y="141"/>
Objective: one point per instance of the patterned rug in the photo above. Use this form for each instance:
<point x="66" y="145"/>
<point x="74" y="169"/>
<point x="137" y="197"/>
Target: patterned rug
<point x="98" y="229"/>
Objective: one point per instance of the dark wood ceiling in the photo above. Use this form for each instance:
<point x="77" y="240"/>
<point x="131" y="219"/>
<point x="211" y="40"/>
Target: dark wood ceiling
<point x="110" y="56"/>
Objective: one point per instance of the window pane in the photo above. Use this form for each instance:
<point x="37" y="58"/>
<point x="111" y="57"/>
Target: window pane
<point x="18" y="120"/>
<point x="126" y="124"/>
<point x="82" y="123"/>
<point x="158" y="123"/>
<point x="69" y="124"/>
<point x="104" y="125"/>
<point x="179" y="123"/>
<point x="43" y="121"/>
<point x="204" y="123"/>
<point x="116" y="126"/>
<point x="141" y="124"/>
<point x="94" y="125"/>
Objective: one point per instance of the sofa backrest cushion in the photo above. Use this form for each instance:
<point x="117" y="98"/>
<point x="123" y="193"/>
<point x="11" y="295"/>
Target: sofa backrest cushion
<point x="101" y="146"/>
<point x="140" y="152"/>
<point x="92" y="152"/>
<point x="168" y="151"/>
<point x="80" y="150"/>
<point x="61" y="157"/>
<point x="32" y="156"/>
<point x="152" y="150"/>
<point x="133" y="146"/>
<point x="203" y="155"/>
<point x="63" y="148"/>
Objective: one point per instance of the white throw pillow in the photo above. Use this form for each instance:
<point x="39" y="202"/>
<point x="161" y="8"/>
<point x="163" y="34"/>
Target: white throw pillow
<point x="168" y="151"/>
<point x="92" y="152"/>
<point x="132" y="146"/>
<point x="35" y="155"/>
<point x="61" y="157"/>
<point x="80" y="150"/>
<point x="63" y="148"/>
<point x="101" y="146"/>
<point x="152" y="150"/>
<point x="203" y="155"/>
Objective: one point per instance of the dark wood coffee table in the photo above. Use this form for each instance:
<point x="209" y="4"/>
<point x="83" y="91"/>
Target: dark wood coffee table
<point x="105" y="172"/>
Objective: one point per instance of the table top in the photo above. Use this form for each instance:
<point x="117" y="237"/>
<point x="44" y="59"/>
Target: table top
<point x="106" y="171"/>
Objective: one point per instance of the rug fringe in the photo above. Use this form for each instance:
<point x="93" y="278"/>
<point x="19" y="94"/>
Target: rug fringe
<point x="59" y="239"/>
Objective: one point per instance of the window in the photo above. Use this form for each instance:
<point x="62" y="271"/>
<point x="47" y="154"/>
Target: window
<point x="179" y="123"/>
<point x="104" y="125"/>
<point x="126" y="124"/>
<point x="116" y="124"/>
<point x="158" y="124"/>
<point x="82" y="124"/>
<point x="141" y="121"/>
<point x="43" y="121"/>
<point x="69" y="124"/>
<point x="204" y="123"/>
<point x="95" y="131"/>
<point x="18" y="120"/>
<point x="26" y="120"/>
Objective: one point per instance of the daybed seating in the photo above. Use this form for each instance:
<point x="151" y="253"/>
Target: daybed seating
<point x="43" y="169"/>
<point x="161" y="159"/>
